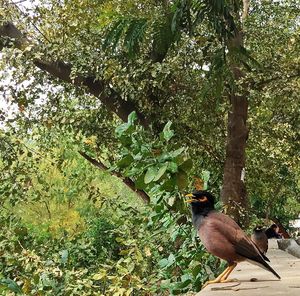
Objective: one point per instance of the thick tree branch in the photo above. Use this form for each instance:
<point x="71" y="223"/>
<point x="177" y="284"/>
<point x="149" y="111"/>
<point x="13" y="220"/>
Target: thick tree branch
<point x="8" y="30"/>
<point x="127" y="181"/>
<point x="108" y="96"/>
<point x="99" y="88"/>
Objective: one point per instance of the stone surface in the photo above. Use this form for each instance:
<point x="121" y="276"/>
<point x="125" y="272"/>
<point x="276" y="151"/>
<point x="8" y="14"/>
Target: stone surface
<point x="263" y="282"/>
<point x="283" y="243"/>
<point x="290" y="246"/>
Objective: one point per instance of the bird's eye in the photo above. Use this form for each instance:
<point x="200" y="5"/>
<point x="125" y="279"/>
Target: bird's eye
<point x="203" y="199"/>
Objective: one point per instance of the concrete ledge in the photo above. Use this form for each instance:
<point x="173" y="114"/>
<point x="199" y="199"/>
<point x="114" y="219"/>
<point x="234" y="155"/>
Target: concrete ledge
<point x="255" y="281"/>
<point x="290" y="245"/>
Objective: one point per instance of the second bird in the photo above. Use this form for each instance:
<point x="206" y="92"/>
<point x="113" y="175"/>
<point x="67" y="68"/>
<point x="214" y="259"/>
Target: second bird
<point x="260" y="239"/>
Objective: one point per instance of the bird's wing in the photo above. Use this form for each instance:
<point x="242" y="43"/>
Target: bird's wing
<point x="247" y="248"/>
<point x="242" y="244"/>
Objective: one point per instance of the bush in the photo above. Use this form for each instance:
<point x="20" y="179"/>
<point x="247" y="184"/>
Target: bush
<point x="103" y="236"/>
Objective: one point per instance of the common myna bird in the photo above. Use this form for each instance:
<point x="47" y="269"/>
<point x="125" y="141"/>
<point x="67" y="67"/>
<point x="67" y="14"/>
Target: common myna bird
<point x="260" y="239"/>
<point x="222" y="237"/>
<point x="273" y="232"/>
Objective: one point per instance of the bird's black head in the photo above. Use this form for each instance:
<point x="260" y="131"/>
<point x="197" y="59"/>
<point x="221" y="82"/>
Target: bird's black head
<point x="201" y="201"/>
<point x="259" y="228"/>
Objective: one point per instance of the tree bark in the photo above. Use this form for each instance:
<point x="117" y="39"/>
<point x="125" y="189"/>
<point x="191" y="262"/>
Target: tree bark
<point x="233" y="193"/>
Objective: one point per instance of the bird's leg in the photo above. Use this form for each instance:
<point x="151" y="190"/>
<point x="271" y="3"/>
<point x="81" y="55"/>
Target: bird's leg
<point x="222" y="278"/>
<point x="218" y="279"/>
<point x="229" y="270"/>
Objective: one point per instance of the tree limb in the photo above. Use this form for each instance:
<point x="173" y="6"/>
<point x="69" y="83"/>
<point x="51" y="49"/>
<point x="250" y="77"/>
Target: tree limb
<point x="127" y="181"/>
<point x="8" y="30"/>
<point x="246" y="5"/>
<point x="58" y="69"/>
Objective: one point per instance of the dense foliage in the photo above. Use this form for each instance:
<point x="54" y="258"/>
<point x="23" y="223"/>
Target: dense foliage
<point x="68" y="228"/>
<point x="93" y="236"/>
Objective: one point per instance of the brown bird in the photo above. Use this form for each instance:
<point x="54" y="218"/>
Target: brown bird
<point x="260" y="239"/>
<point x="222" y="236"/>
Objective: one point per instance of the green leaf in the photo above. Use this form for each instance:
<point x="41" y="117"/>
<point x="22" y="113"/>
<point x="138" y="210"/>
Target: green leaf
<point x="183" y="284"/>
<point x="125" y="140"/>
<point x="185" y="277"/>
<point x="181" y="179"/>
<point x="122" y="129"/>
<point x="167" y="132"/>
<point x="134" y="34"/>
<point x="205" y="177"/>
<point x="165" y="157"/>
<point x="171" y="259"/>
<point x="177" y="152"/>
<point x="132" y="117"/>
<point x="64" y="256"/>
<point x="163" y="263"/>
<point x="169" y="184"/>
<point x="167" y="262"/>
<point x="161" y="172"/>
<point x="114" y="34"/>
<point x="150" y="175"/>
<point x="172" y="167"/>
<point x="186" y="165"/>
<point x="99" y="276"/>
<point x="128" y="127"/>
<point x="125" y="161"/>
<point x="140" y="183"/>
<point x="11" y="285"/>
<point x="196" y="270"/>
<point x="119" y="239"/>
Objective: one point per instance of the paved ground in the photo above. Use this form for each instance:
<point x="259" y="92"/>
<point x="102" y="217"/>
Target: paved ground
<point x="255" y="281"/>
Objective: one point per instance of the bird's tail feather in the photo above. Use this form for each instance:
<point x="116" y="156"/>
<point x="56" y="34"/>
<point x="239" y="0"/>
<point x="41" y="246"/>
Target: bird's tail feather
<point x="265" y="266"/>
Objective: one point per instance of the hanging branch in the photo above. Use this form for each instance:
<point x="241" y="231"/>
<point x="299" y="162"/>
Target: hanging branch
<point x="127" y="181"/>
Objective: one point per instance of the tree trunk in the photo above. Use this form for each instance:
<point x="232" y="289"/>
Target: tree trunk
<point x="234" y="194"/>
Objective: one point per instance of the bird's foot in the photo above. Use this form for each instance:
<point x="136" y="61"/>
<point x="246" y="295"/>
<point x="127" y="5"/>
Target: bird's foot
<point x="219" y="281"/>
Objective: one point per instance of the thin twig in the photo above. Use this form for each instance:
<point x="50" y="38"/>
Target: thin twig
<point x="127" y="181"/>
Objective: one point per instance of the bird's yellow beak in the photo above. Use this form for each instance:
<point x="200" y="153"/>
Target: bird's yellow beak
<point x="191" y="198"/>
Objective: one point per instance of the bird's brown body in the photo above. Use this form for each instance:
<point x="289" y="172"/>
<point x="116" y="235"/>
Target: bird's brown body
<point x="221" y="241"/>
